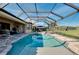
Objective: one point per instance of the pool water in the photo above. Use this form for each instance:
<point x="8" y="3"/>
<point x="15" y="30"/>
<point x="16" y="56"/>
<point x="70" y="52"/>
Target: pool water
<point x="30" y="43"/>
<point x="49" y="41"/>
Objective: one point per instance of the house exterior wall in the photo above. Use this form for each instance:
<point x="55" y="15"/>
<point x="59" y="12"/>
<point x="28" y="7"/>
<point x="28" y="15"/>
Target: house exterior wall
<point x="19" y="26"/>
<point x="28" y="27"/>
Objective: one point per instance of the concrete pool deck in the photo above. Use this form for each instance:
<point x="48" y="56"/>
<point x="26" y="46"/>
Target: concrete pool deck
<point x="53" y="51"/>
<point x="71" y="43"/>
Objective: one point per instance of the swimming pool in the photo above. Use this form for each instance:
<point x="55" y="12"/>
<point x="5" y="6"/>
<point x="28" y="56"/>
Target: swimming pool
<point x="30" y="43"/>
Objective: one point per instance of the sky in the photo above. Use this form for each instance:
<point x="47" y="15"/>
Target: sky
<point x="70" y="21"/>
<point x="60" y="9"/>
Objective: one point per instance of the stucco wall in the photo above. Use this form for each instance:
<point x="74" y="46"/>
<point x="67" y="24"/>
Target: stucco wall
<point x="13" y="24"/>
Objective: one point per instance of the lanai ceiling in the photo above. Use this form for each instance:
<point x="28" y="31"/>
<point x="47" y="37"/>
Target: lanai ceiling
<point x="46" y="12"/>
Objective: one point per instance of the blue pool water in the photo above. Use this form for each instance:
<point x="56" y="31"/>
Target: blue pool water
<point x="28" y="45"/>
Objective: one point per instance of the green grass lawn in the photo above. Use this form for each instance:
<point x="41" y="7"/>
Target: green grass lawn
<point x="70" y="33"/>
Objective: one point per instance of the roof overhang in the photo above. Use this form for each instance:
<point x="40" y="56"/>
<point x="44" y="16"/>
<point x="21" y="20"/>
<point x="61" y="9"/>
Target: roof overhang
<point x="7" y="16"/>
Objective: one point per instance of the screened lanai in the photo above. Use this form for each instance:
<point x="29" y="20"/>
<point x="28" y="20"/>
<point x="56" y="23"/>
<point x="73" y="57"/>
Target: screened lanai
<point x="45" y="12"/>
<point x="52" y="26"/>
